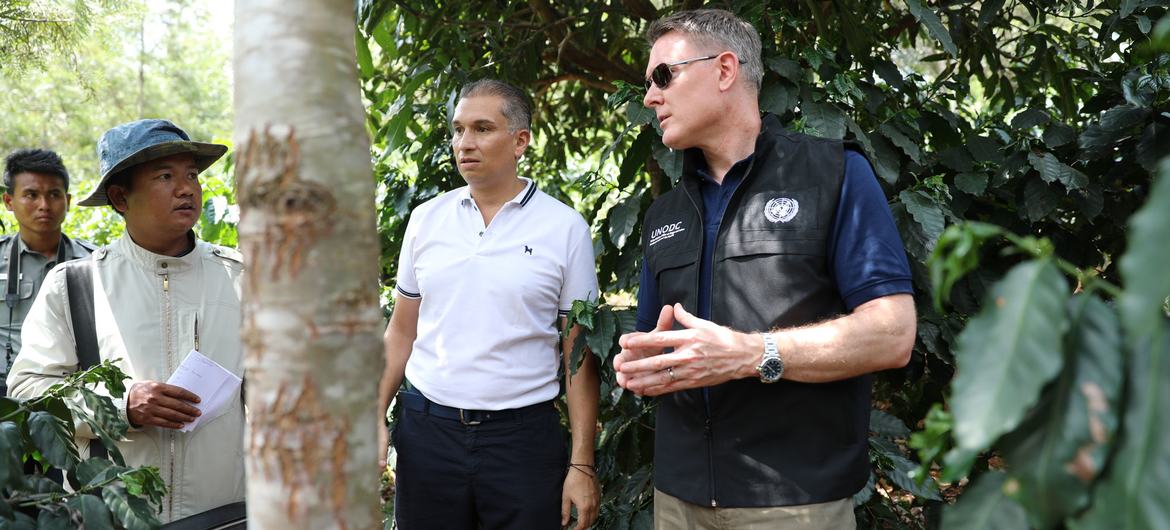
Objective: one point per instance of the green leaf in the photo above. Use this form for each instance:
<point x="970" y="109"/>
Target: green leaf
<point x="40" y="484"/>
<point x="670" y="160"/>
<point x="971" y="183"/>
<point x="21" y="522"/>
<point x="934" y="25"/>
<point x="884" y="159"/>
<point x="1008" y="352"/>
<point x="1099" y="139"/>
<point x="1154" y="144"/>
<point x="1052" y="170"/>
<point x="985" y="507"/>
<point x="639" y="114"/>
<point x="985" y="149"/>
<point x="145" y="482"/>
<point x="1143" y="267"/>
<point x="926" y="213"/>
<point x="11" y="447"/>
<point x="601" y="339"/>
<point x="131" y="512"/>
<point x="824" y="119"/>
<point x="900" y="475"/>
<point x="889" y="73"/>
<point x="787" y="68"/>
<point x="989" y="11"/>
<point x="622" y="219"/>
<point x="1030" y="118"/>
<point x="1058" y="134"/>
<point x="777" y="97"/>
<point x="365" y="60"/>
<point x="1039" y="200"/>
<point x="103" y="418"/>
<point x="1136" y="493"/>
<point x="908" y="146"/>
<point x="91" y="468"/>
<point x="53" y="439"/>
<point x="55" y="518"/>
<point x="94" y="514"/>
<point x="1057" y="453"/>
<point x="1128" y="7"/>
<point x="887" y="424"/>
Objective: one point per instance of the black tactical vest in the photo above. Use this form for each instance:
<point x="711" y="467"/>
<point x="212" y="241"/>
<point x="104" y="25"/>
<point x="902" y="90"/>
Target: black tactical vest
<point x="753" y="444"/>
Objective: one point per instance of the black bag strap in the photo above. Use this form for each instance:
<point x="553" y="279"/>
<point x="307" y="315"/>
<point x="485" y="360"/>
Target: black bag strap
<point x="227" y="517"/>
<point x="79" y="285"/>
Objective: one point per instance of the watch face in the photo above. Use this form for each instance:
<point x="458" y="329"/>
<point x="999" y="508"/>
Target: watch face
<point x="771" y="370"/>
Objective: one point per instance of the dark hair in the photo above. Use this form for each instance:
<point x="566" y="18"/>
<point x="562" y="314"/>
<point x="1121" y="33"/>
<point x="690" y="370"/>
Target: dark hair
<point x="517" y="110"/>
<point x="42" y="161"/>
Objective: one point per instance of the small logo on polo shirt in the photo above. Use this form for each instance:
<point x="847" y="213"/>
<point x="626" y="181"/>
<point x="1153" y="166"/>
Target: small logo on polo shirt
<point x="528" y="250"/>
<point x="781" y="209"/>
<point x="666" y="231"/>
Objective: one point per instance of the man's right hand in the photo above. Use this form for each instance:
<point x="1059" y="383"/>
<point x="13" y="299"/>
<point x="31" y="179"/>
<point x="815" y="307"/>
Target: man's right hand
<point x="160" y="405"/>
<point x="665" y="323"/>
<point x="383" y="443"/>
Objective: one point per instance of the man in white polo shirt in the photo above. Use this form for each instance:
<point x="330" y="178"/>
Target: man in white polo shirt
<point x="486" y="276"/>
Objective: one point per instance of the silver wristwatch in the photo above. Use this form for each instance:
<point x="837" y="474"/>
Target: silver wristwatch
<point x="771" y="367"/>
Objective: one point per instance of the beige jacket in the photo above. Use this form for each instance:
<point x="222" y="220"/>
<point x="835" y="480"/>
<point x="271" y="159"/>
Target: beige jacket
<point x="146" y="308"/>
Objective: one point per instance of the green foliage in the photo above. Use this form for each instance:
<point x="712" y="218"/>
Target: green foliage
<point x="132" y="59"/>
<point x="1026" y="117"/>
<point x="38" y="434"/>
<point x="1078" y="452"/>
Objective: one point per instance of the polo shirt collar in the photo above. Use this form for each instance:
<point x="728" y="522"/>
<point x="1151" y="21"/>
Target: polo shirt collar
<point x="522" y="198"/>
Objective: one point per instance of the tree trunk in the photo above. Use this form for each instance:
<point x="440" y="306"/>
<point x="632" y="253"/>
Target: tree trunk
<point x="312" y="325"/>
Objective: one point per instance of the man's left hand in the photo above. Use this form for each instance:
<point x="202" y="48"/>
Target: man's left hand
<point x="705" y="354"/>
<point x="580" y="490"/>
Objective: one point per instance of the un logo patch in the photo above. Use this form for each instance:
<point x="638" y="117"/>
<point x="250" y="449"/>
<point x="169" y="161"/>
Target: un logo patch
<point x="781" y="209"/>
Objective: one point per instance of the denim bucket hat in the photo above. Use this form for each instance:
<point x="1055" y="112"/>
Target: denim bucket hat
<point x="130" y="144"/>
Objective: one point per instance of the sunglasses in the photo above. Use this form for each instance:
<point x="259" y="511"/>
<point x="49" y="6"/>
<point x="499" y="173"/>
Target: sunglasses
<point x="662" y="74"/>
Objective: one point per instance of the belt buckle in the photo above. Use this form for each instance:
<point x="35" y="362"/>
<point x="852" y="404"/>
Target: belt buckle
<point x="463" y="420"/>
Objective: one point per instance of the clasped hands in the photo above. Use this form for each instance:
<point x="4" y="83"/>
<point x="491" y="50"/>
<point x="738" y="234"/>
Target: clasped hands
<point x="705" y="354"/>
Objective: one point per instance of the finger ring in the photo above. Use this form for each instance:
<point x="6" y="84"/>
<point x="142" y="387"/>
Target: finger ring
<point x="670" y="372"/>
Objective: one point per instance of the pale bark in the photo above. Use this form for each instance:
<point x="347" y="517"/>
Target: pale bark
<point x="312" y="324"/>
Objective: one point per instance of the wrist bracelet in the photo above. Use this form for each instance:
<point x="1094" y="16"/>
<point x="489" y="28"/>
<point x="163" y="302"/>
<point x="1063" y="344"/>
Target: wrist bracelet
<point x="592" y="471"/>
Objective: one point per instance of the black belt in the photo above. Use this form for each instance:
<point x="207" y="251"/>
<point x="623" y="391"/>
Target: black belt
<point x="419" y="403"/>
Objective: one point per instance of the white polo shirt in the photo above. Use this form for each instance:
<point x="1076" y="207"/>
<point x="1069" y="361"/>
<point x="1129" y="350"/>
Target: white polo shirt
<point x="491" y="296"/>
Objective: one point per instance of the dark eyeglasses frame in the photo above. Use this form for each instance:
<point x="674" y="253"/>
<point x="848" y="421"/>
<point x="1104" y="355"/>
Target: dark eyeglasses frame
<point x="661" y="75"/>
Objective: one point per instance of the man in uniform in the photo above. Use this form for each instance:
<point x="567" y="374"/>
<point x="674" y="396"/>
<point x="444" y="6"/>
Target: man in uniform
<point x="485" y="274"/>
<point x="775" y="273"/>
<point x="36" y="191"/>
<point x="158" y="292"/>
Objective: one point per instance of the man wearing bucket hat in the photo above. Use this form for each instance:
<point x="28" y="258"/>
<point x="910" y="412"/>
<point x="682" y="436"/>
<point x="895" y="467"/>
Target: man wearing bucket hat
<point x="158" y="293"/>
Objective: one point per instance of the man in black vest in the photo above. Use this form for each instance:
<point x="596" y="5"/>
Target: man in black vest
<point x="776" y="281"/>
<point x="36" y="191"/>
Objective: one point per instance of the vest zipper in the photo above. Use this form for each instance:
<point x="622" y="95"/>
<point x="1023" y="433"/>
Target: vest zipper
<point x="707" y="429"/>
<point x="707" y="432"/>
<point x="168" y="329"/>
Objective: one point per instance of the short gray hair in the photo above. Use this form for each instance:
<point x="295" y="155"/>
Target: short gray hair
<point x="516" y="109"/>
<point x="716" y="30"/>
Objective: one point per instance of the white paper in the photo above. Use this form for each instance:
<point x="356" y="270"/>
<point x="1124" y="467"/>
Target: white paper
<point x="205" y="378"/>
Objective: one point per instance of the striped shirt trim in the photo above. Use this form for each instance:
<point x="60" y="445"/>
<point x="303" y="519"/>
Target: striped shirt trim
<point x="529" y="194"/>
<point x="406" y="293"/>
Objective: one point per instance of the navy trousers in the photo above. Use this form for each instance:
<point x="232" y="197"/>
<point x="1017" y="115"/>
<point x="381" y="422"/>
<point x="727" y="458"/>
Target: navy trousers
<point x="471" y="470"/>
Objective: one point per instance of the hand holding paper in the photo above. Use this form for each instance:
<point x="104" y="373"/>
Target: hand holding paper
<point x="205" y="378"/>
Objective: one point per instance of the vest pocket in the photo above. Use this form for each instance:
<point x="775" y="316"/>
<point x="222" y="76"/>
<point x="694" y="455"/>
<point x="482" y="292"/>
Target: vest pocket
<point x="769" y="247"/>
